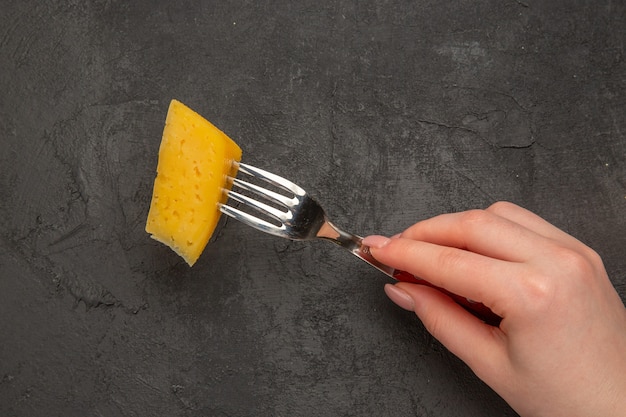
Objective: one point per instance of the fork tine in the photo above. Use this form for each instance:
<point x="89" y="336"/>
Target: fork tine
<point x="272" y="179"/>
<point x="252" y="221"/>
<point x="270" y="195"/>
<point x="282" y="227"/>
<point x="279" y="215"/>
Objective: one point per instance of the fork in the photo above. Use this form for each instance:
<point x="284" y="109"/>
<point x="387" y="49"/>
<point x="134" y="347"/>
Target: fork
<point x="295" y="215"/>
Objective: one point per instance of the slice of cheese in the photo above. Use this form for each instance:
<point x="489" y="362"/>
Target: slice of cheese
<point x="195" y="159"/>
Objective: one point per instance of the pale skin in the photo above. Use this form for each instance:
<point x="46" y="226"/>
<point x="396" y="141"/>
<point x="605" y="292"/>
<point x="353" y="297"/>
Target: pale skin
<point x="560" y="349"/>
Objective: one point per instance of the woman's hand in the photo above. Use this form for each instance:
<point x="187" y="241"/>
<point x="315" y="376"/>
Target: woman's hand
<point x="560" y="349"/>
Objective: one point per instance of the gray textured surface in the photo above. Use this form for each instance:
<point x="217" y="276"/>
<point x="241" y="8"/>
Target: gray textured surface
<point x="387" y="111"/>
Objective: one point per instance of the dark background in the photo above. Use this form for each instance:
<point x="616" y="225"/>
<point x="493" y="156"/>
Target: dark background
<point x="388" y="112"/>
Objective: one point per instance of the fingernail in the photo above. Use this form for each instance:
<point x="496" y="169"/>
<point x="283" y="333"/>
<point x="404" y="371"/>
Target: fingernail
<point x="376" y="241"/>
<point x="399" y="297"/>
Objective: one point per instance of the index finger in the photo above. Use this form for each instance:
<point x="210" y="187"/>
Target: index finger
<point x="475" y="276"/>
<point x="480" y="231"/>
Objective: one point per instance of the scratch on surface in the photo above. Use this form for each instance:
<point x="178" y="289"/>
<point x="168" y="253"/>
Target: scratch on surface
<point x="444" y="125"/>
<point x="149" y="385"/>
<point x="25" y="43"/>
<point x="514" y="146"/>
<point x="186" y="403"/>
<point x="68" y="235"/>
<point x="8" y="32"/>
<point x="461" y="128"/>
<point x="471" y="181"/>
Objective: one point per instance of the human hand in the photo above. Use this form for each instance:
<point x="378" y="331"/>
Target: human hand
<point x="560" y="349"/>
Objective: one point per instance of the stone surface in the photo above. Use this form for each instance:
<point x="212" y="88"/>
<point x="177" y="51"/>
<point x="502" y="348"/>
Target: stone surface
<point x="387" y="111"/>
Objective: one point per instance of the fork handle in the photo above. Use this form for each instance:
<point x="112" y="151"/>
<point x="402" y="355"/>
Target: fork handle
<point x="477" y="309"/>
<point x="354" y="244"/>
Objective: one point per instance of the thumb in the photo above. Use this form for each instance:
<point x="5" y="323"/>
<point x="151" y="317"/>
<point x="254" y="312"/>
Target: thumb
<point x="479" y="345"/>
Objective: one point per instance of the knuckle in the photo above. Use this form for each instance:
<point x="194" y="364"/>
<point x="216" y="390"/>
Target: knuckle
<point x="476" y="217"/>
<point x="576" y="263"/>
<point x="539" y="292"/>
<point x="501" y="207"/>
<point x="594" y="257"/>
<point x="571" y="272"/>
<point x="475" y="221"/>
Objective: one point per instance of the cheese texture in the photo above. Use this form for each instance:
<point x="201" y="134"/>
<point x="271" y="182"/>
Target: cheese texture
<point x="195" y="158"/>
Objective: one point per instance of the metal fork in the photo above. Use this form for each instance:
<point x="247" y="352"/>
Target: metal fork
<point x="301" y="218"/>
<point x="296" y="216"/>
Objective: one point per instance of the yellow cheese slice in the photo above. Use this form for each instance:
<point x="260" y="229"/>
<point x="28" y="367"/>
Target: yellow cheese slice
<point x="195" y="158"/>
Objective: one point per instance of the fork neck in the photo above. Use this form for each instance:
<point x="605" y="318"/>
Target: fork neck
<point x="353" y="244"/>
<point x="344" y="239"/>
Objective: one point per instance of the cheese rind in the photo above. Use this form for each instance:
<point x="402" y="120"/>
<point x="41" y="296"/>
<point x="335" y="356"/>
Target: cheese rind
<point x="195" y="158"/>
